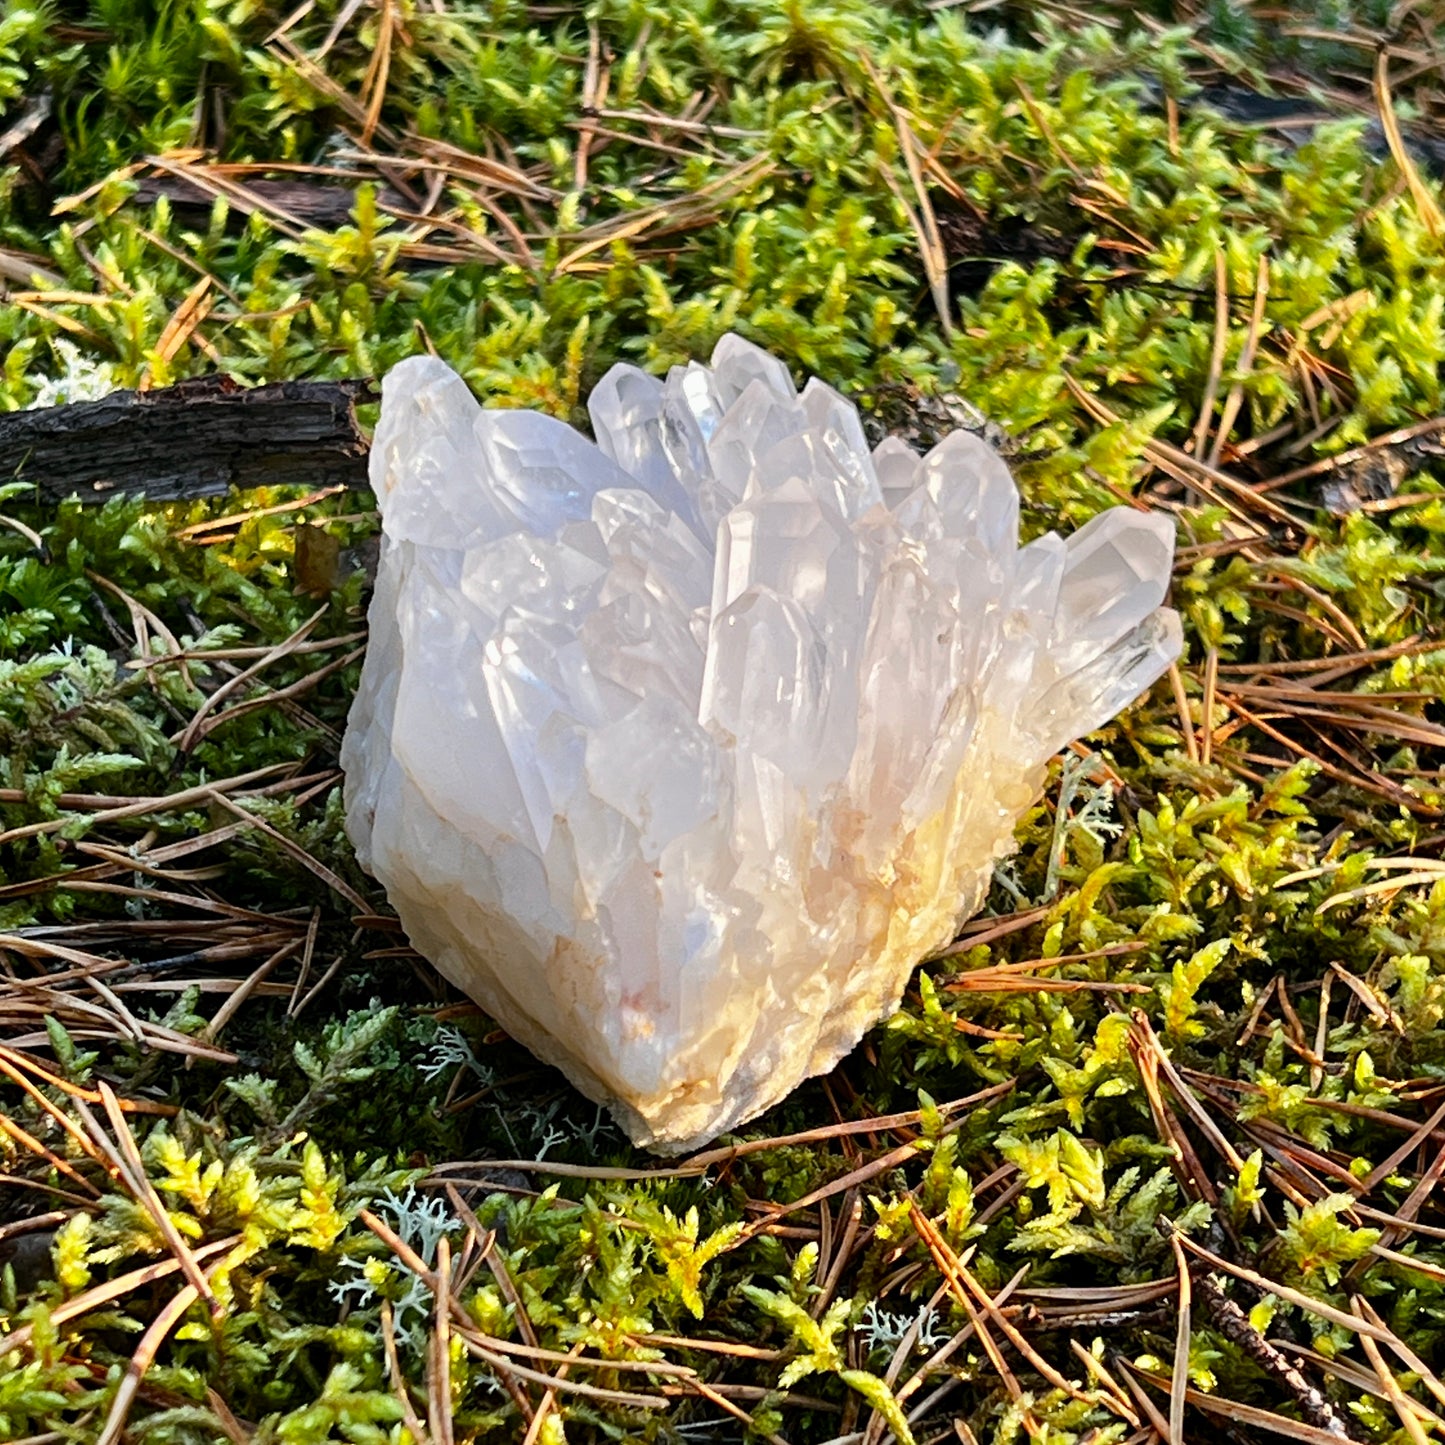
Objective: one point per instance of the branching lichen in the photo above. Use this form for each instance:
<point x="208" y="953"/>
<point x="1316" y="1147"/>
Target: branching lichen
<point x="1208" y="991"/>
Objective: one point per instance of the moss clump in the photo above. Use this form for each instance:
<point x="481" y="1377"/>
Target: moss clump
<point x="1205" y="1002"/>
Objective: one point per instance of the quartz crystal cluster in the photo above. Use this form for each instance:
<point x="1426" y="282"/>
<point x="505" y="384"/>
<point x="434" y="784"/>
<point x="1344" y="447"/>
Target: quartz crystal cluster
<point x="677" y="751"/>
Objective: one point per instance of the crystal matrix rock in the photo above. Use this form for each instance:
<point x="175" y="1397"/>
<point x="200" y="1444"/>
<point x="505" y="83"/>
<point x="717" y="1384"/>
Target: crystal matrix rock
<point x="678" y="751"/>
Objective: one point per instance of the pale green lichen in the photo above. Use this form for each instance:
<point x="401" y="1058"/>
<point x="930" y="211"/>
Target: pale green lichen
<point x="1220" y="894"/>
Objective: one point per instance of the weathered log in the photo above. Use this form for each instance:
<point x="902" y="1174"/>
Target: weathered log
<point x="195" y="439"/>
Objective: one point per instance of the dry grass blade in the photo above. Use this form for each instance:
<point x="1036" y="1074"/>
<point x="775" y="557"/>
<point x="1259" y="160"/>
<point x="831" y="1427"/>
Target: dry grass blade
<point x="931" y="249"/>
<point x="684" y="213"/>
<point x="1207" y="705"/>
<point x="988" y="929"/>
<point x="112" y="1290"/>
<point x="1391" y="886"/>
<point x="236" y="1431"/>
<point x="439" y="1367"/>
<point x="995" y="1356"/>
<point x="1433" y="866"/>
<point x="1181" y="706"/>
<point x="851" y="1180"/>
<point x="27" y="270"/>
<point x="83" y="988"/>
<point x="1322" y="1034"/>
<point x="311" y="74"/>
<point x="242" y="198"/>
<point x="186" y="798"/>
<point x="1426" y="206"/>
<point x="1096" y="1369"/>
<point x="737" y="1412"/>
<point x="1397" y="1156"/>
<point x="34" y="1223"/>
<point x="304" y="684"/>
<point x="233" y="522"/>
<point x="1336" y="625"/>
<point x="1395" y="438"/>
<point x="841" y="1257"/>
<point x="28" y="1141"/>
<point x="1409" y="1262"/>
<point x="193" y="731"/>
<point x="1290" y="1296"/>
<point x="410" y="1418"/>
<point x="1146" y="1406"/>
<point x="1144" y="1030"/>
<point x="1362" y="1379"/>
<point x="428" y="153"/>
<point x="296" y="851"/>
<point x="500" y="1354"/>
<point x="183" y="323"/>
<point x="1193" y="1178"/>
<point x="1179" y="1383"/>
<point x="1216" y="354"/>
<point x="706" y="1347"/>
<point x="1246" y="1415"/>
<point x="373" y="86"/>
<point x="666" y="122"/>
<point x="546" y="1406"/>
<point x="497" y="1264"/>
<point x="141" y="1361"/>
<point x="56" y="1113"/>
<point x="988" y="980"/>
<point x="1398" y="1399"/>
<point x="1353" y="777"/>
<point x="1108" y="1296"/>
<point x="1334" y="666"/>
<point x="1224" y="490"/>
<point x="132" y="1172"/>
<point x="1402" y="1352"/>
<point x="238" y="996"/>
<point x="1360" y="712"/>
<point x="593" y="92"/>
<point x="1030" y="965"/>
<point x="728" y="1153"/>
<point x="1235" y="399"/>
<point x="504" y="1367"/>
<point x="87" y="1025"/>
<point x="963" y="1284"/>
<point x="1423" y="1190"/>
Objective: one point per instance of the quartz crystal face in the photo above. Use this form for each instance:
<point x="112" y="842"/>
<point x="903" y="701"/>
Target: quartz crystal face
<point x="678" y="751"/>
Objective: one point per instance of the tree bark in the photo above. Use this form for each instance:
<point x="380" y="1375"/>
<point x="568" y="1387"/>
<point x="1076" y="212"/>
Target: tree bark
<point x="196" y="439"/>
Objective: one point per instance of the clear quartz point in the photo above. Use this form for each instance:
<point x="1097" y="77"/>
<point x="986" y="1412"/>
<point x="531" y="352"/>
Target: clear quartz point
<point x="678" y="750"/>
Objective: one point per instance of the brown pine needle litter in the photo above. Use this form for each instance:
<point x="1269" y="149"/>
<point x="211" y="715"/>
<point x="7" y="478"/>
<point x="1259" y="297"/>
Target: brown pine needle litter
<point x="1154" y="1149"/>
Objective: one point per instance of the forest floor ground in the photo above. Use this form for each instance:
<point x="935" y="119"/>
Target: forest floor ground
<point x="1154" y="1149"/>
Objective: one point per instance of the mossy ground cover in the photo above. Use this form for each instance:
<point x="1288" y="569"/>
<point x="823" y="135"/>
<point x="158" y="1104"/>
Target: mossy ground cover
<point x="1153" y="1151"/>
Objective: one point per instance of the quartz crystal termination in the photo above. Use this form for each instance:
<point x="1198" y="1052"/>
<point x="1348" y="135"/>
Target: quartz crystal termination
<point x="679" y="751"/>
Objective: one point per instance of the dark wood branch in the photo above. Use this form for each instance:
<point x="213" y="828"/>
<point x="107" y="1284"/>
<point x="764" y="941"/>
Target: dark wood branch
<point x="196" y="439"/>
<point x="1234" y="1325"/>
<point x="327" y="207"/>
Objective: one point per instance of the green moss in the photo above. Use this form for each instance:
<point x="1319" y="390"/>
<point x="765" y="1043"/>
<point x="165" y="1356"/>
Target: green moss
<point x="1213" y="896"/>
